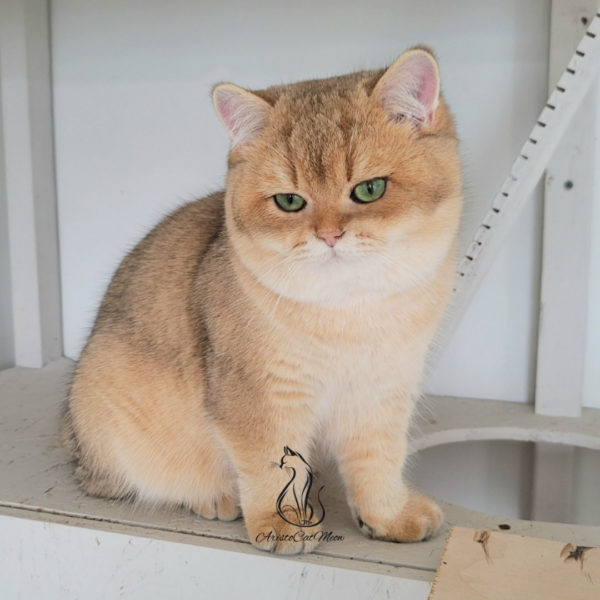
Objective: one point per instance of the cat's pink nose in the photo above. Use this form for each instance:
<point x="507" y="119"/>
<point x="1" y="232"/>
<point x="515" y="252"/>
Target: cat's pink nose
<point x="330" y="237"/>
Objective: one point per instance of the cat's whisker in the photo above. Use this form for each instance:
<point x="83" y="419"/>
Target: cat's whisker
<point x="268" y="292"/>
<point x="415" y="283"/>
<point x="287" y="281"/>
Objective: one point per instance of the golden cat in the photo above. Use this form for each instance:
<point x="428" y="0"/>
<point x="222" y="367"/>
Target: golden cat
<point x="296" y="305"/>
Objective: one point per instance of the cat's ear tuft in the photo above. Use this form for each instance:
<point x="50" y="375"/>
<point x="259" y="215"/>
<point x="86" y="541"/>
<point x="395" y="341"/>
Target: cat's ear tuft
<point x="242" y="112"/>
<point x="410" y="88"/>
<point x="286" y="451"/>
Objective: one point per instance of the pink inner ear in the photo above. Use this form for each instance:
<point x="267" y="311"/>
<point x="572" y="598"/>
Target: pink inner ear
<point x="242" y="114"/>
<point x="227" y="105"/>
<point x="412" y="90"/>
<point x="426" y="75"/>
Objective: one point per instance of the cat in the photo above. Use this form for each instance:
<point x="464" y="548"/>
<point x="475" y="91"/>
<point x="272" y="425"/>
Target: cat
<point x="296" y="493"/>
<point x="296" y="305"/>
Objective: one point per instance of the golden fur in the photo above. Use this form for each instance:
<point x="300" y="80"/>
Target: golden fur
<point x="232" y="330"/>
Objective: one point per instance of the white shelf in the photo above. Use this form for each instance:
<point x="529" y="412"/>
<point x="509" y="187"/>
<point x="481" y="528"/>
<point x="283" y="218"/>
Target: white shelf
<point x="37" y="480"/>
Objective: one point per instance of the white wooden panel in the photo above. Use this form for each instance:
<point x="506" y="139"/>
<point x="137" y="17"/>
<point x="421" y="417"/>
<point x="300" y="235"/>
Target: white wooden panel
<point x="58" y="562"/>
<point x="591" y="387"/>
<point x="7" y="349"/>
<point x="552" y="496"/>
<point x="568" y="210"/>
<point x="25" y="88"/>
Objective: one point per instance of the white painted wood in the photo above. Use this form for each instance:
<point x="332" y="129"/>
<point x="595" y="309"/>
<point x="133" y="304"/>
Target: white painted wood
<point x="564" y="294"/>
<point x="36" y="477"/>
<point x="7" y="348"/>
<point x="568" y="211"/>
<point x="60" y="562"/>
<point x="26" y="97"/>
<point x="447" y="420"/>
<point x="591" y="386"/>
<point x="552" y="497"/>
<point x="525" y="173"/>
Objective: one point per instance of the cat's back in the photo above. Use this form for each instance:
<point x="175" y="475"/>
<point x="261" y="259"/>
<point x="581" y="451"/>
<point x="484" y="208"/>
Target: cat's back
<point x="151" y="291"/>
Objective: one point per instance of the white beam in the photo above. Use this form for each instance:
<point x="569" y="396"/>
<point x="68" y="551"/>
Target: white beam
<point x="26" y="95"/>
<point x="568" y="207"/>
<point x="54" y="561"/>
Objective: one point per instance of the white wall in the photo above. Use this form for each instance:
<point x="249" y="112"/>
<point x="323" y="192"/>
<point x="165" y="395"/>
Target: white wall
<point x="136" y="134"/>
<point x="7" y="350"/>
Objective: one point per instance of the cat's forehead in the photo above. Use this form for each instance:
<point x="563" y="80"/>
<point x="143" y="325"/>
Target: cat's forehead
<point x="314" y="108"/>
<point x="321" y="90"/>
<point x="317" y="120"/>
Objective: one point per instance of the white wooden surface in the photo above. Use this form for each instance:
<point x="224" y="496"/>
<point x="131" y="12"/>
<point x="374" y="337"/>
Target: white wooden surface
<point x="26" y="99"/>
<point x="36" y="478"/>
<point x="7" y="349"/>
<point x="568" y="212"/>
<point x="552" y="496"/>
<point x="53" y="561"/>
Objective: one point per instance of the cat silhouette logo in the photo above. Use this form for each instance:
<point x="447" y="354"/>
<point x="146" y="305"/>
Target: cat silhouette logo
<point x="293" y="502"/>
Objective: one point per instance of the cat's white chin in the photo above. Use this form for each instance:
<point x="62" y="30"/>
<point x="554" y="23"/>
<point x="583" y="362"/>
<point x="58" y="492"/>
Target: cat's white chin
<point x="347" y="276"/>
<point x="341" y="282"/>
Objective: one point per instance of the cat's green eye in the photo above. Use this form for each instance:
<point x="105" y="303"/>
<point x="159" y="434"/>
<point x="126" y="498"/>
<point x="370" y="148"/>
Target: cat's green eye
<point x="369" y="191"/>
<point x="289" y="202"/>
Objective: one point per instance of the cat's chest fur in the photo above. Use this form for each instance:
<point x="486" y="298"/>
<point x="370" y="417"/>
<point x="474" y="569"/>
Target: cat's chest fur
<point x="348" y="356"/>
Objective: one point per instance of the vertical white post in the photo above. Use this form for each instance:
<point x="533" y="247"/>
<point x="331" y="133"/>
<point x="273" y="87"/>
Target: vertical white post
<point x="552" y="483"/>
<point x="26" y="100"/>
<point x="567" y="232"/>
<point x="7" y="347"/>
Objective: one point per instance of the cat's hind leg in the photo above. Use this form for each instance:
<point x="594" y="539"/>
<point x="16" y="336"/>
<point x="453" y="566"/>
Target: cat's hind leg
<point x="93" y="479"/>
<point x="137" y="427"/>
<point x="224" y="508"/>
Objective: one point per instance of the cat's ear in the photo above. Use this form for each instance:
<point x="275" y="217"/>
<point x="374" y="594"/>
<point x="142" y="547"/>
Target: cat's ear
<point x="286" y="451"/>
<point x="242" y="112"/>
<point x="410" y="88"/>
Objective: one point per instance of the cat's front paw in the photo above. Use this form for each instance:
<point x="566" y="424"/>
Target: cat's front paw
<point x="270" y="532"/>
<point x="419" y="519"/>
